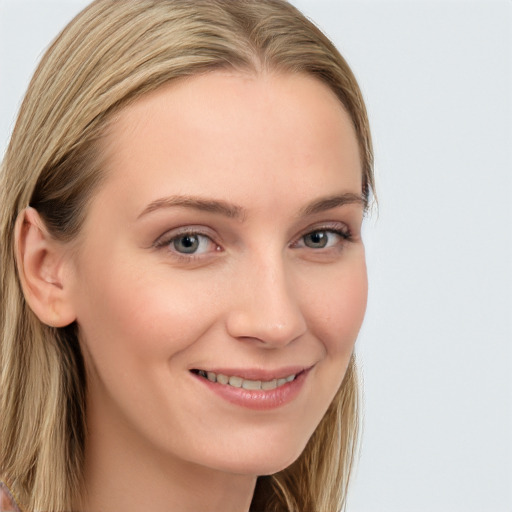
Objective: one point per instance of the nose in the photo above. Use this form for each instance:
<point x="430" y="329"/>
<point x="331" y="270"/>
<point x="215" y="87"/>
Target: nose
<point x="265" y="306"/>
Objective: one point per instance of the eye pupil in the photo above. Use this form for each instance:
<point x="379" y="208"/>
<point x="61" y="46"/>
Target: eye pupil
<point x="316" y="240"/>
<point x="186" y="244"/>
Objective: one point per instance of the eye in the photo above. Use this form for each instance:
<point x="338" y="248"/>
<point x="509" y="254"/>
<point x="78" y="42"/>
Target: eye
<point x="188" y="243"/>
<point x="317" y="239"/>
<point x="323" y="238"/>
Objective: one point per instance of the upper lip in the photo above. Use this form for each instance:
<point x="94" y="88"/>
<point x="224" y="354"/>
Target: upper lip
<point x="258" y="373"/>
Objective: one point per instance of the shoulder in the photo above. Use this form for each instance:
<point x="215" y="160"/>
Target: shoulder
<point x="7" y="503"/>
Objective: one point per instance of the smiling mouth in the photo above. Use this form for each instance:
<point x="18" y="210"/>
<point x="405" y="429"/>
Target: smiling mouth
<point x="250" y="385"/>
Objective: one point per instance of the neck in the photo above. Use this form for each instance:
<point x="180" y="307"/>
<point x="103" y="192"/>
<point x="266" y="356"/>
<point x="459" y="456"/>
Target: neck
<point x="121" y="474"/>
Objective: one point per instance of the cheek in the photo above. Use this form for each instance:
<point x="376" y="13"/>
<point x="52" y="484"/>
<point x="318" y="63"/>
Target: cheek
<point x="141" y="315"/>
<point x="337" y="311"/>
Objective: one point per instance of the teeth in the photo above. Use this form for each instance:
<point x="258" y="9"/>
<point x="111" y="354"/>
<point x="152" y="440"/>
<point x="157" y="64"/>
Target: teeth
<point x="251" y="385"/>
<point x="271" y="384"/>
<point x="222" y="379"/>
<point x="236" y="382"/>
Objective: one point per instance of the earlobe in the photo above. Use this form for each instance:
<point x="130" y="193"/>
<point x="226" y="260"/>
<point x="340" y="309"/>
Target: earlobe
<point x="41" y="264"/>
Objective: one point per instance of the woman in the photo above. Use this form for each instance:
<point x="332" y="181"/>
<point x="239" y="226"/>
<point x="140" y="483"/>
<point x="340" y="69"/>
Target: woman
<point x="183" y="276"/>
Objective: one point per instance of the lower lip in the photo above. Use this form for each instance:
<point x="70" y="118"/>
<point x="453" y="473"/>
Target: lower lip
<point x="259" y="400"/>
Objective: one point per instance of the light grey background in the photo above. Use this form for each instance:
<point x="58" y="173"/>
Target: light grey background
<point x="435" y="350"/>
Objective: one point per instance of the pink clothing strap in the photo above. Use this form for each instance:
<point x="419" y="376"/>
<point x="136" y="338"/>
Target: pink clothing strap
<point x="7" y="503"/>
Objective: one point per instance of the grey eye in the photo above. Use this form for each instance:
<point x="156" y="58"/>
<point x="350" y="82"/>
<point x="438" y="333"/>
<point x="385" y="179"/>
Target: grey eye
<point x="316" y="239"/>
<point x="186" y="244"/>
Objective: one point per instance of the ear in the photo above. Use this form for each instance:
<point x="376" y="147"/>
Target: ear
<point x="42" y="262"/>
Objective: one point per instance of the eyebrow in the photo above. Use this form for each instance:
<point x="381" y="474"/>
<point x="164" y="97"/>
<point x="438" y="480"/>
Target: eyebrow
<point x="234" y="211"/>
<point x="330" y="202"/>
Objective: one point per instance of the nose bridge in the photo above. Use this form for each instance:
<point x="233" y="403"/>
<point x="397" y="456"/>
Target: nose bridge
<point x="265" y="305"/>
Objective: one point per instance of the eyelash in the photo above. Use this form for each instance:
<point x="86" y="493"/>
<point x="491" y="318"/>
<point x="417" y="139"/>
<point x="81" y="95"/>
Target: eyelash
<point x="165" y="241"/>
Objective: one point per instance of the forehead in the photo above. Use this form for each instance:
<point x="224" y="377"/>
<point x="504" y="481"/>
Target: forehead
<point x="206" y="132"/>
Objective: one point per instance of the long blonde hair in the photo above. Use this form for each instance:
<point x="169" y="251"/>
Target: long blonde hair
<point x="109" y="55"/>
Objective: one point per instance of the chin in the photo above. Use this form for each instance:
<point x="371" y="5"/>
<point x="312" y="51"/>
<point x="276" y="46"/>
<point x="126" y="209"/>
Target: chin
<point x="265" y="461"/>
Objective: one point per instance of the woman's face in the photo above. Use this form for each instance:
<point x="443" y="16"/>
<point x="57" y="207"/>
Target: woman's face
<point x="224" y="244"/>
